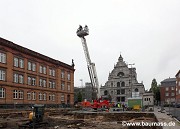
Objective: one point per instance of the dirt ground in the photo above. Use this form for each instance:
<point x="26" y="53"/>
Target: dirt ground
<point x="60" y="119"/>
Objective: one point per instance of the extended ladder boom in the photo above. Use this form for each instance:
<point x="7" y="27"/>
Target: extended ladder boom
<point x="82" y="32"/>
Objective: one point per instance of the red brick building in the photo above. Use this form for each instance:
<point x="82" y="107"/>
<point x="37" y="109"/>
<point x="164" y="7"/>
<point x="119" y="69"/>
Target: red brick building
<point x="168" y="90"/>
<point x="28" y="77"/>
<point x="178" y="87"/>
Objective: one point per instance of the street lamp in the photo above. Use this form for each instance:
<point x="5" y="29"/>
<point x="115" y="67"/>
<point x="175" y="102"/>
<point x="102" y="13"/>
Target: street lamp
<point x="81" y="82"/>
<point x="131" y="77"/>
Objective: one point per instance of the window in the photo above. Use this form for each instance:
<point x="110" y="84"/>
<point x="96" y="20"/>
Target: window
<point x="31" y="66"/>
<point x="62" y="85"/>
<point x="44" y="96"/>
<point x="69" y="76"/>
<point x="118" y="84"/>
<point x="122" y="84"/>
<point x="42" y="82"/>
<point x="136" y="90"/>
<point x="122" y="91"/>
<point x="2" y="75"/>
<point x="52" y="97"/>
<point x="40" y="69"/>
<point x="172" y="88"/>
<point x="2" y="57"/>
<point x="29" y="95"/>
<point x="52" y="72"/>
<point x="118" y="92"/>
<point x="18" y="94"/>
<point x="179" y="83"/>
<point x="2" y="93"/>
<point x="15" y="94"/>
<point x="167" y="88"/>
<point x="62" y="74"/>
<point x="52" y="84"/>
<point x="21" y="79"/>
<point x="105" y="92"/>
<point x="18" y="62"/>
<point x="69" y="87"/>
<point x="18" y="78"/>
<point x="172" y="94"/>
<point x="21" y="94"/>
<point x="167" y="94"/>
<point x="121" y="74"/>
<point x="44" y="70"/>
<point x="31" y="81"/>
<point x="62" y="97"/>
<point x="21" y="63"/>
<point x="40" y="96"/>
<point x="33" y="95"/>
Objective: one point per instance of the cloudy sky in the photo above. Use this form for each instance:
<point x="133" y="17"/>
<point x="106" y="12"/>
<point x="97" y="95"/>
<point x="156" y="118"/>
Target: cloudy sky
<point x="145" y="32"/>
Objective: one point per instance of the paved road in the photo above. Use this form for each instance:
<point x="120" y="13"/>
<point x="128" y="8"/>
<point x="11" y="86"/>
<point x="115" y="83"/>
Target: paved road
<point x="173" y="111"/>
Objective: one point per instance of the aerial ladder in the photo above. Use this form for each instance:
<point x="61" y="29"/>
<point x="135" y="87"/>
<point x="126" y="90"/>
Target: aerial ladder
<point x="82" y="32"/>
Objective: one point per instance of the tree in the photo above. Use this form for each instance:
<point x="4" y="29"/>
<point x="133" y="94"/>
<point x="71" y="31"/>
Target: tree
<point x="153" y="86"/>
<point x="79" y="97"/>
<point x="156" y="91"/>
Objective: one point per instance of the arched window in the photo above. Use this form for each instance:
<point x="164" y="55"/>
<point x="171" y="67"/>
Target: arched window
<point x="122" y="91"/>
<point x="105" y="92"/>
<point x="136" y="90"/>
<point x="118" y="92"/>
<point x="122" y="84"/>
<point x="121" y="74"/>
<point x="118" y="84"/>
<point x="111" y="84"/>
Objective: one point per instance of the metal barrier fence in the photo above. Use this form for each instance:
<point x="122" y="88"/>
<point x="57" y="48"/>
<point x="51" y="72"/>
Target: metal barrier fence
<point x="174" y="111"/>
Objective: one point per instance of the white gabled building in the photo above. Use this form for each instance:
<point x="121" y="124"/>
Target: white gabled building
<point x="122" y="83"/>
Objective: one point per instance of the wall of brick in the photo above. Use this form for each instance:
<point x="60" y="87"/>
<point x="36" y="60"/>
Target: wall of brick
<point x="9" y="84"/>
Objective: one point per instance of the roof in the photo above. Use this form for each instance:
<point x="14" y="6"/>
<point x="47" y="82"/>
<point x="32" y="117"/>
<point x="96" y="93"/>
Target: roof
<point x="24" y="50"/>
<point x="168" y="82"/>
<point x="177" y="73"/>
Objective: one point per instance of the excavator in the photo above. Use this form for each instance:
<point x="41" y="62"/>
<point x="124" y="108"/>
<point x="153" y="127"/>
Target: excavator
<point x="35" y="118"/>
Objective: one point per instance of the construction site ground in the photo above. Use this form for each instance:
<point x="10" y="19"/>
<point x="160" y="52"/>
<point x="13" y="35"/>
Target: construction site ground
<point x="81" y="119"/>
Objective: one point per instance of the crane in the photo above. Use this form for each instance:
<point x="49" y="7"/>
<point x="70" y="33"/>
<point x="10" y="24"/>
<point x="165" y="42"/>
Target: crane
<point x="82" y="32"/>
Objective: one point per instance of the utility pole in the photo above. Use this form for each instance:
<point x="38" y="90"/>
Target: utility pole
<point x="131" y="77"/>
